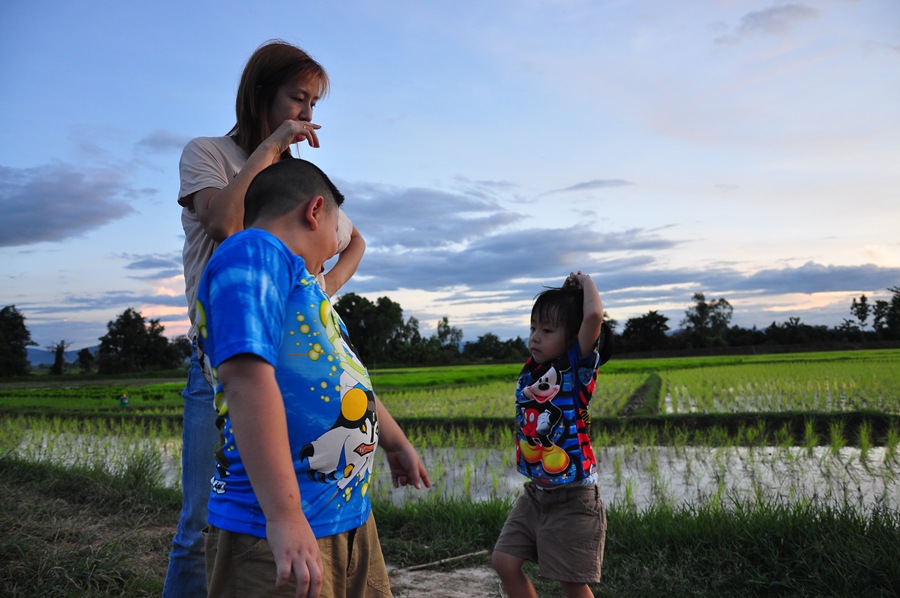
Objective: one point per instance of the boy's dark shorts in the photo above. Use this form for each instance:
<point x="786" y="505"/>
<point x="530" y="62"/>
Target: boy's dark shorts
<point x="563" y="531"/>
<point x="242" y="565"/>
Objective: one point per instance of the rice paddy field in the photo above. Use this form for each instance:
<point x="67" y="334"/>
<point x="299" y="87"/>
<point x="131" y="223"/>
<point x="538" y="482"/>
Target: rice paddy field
<point x="769" y="439"/>
<point x="819" y="427"/>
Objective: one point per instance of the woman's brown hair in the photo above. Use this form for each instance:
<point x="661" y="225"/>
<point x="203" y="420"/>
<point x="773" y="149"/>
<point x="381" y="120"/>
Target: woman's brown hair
<point x="272" y="65"/>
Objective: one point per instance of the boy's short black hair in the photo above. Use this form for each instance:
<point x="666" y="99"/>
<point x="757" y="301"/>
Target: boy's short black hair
<point x="283" y="186"/>
<point x="563" y="306"/>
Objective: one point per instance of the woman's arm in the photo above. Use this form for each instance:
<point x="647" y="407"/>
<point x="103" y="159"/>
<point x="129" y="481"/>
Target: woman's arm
<point x="346" y="265"/>
<point x="221" y="211"/>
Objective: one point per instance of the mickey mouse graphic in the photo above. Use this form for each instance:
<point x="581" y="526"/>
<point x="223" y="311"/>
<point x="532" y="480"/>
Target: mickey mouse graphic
<point x="539" y="419"/>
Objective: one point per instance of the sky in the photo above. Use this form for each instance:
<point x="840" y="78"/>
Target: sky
<point x="746" y="150"/>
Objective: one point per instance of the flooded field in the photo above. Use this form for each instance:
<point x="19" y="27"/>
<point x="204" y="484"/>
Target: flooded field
<point x="634" y="477"/>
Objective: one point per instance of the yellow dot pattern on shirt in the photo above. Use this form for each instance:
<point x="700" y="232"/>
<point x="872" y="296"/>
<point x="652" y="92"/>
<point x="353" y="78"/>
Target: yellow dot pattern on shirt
<point x="315" y="350"/>
<point x="354" y="404"/>
<point x="325" y="398"/>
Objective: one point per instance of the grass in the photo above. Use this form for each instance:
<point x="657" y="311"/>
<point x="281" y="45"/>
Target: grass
<point x="82" y="532"/>
<point x="753" y="550"/>
<point x="767" y="549"/>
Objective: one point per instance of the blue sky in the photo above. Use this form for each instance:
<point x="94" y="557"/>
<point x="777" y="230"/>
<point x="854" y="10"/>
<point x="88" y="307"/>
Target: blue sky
<point x="743" y="149"/>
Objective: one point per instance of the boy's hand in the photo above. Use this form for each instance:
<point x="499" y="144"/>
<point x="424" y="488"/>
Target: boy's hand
<point x="407" y="468"/>
<point x="295" y="549"/>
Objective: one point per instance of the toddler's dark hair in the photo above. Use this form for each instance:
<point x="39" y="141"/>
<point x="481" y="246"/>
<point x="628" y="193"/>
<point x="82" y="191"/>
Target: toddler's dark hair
<point x="564" y="306"/>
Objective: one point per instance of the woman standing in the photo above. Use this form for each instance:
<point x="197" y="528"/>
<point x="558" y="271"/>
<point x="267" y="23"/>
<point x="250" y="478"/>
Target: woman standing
<point x="276" y="96"/>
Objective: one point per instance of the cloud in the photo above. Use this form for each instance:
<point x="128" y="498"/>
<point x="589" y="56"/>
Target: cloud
<point x="818" y="278"/>
<point x="56" y="202"/>
<point x="116" y="300"/>
<point x="431" y="239"/>
<point x="595" y="184"/>
<point x="151" y="262"/>
<point x="161" y="141"/>
<point x="776" y="20"/>
<point x="437" y="241"/>
<point x="156" y="267"/>
<point x="403" y="219"/>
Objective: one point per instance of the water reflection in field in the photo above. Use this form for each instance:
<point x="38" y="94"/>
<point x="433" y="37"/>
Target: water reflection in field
<point x="630" y="476"/>
<point x="638" y="477"/>
<point x="111" y="453"/>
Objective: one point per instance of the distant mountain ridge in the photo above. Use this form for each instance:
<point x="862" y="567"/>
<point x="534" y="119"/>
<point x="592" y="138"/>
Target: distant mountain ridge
<point x="39" y="357"/>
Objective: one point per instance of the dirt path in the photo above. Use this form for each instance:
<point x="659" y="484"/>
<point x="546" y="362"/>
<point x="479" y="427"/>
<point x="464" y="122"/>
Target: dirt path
<point x="471" y="582"/>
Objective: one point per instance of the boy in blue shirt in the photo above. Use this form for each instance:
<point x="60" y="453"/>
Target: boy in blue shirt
<point x="299" y="420"/>
<point x="559" y="521"/>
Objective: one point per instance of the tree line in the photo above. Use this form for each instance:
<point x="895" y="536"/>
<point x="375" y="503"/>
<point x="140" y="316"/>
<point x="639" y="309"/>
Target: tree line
<point x="131" y="344"/>
<point x="708" y="324"/>
<point x="382" y="337"/>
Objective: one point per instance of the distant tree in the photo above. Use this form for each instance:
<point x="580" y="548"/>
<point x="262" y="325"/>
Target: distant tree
<point x="516" y="348"/>
<point x="488" y="346"/>
<point x="121" y="349"/>
<point x="14" y="342"/>
<point x="406" y="346"/>
<point x="745" y="337"/>
<point x="59" y="357"/>
<point x="85" y="360"/>
<point x="371" y="326"/>
<point x="182" y="345"/>
<point x="132" y="345"/>
<point x="892" y="315"/>
<point x="794" y="332"/>
<point x="645" y="333"/>
<point x="849" y="330"/>
<point x="886" y="316"/>
<point x="879" y="315"/>
<point x="706" y="323"/>
<point x="447" y="336"/>
<point x="860" y="310"/>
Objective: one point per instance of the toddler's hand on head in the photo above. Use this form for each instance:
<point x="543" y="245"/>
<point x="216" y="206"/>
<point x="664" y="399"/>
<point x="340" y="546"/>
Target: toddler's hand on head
<point x="574" y="280"/>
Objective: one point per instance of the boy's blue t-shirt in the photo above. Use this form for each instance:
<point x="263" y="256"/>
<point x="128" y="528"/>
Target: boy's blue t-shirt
<point x="553" y="444"/>
<point x="257" y="297"/>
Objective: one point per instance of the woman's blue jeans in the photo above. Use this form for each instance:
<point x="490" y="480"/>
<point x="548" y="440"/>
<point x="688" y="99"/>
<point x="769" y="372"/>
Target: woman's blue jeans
<point x="187" y="568"/>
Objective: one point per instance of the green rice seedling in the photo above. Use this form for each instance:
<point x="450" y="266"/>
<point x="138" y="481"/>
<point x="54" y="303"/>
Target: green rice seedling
<point x="810" y="438"/>
<point x="680" y="438"/>
<point x="750" y="434"/>
<point x="836" y="436"/>
<point x="892" y="442"/>
<point x="717" y="436"/>
<point x="602" y="438"/>
<point x="865" y="443"/>
<point x="653" y="464"/>
<point x="629" y="504"/>
<point x="617" y="468"/>
<point x="801" y="383"/>
<point x="783" y="437"/>
<point x="467" y="481"/>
